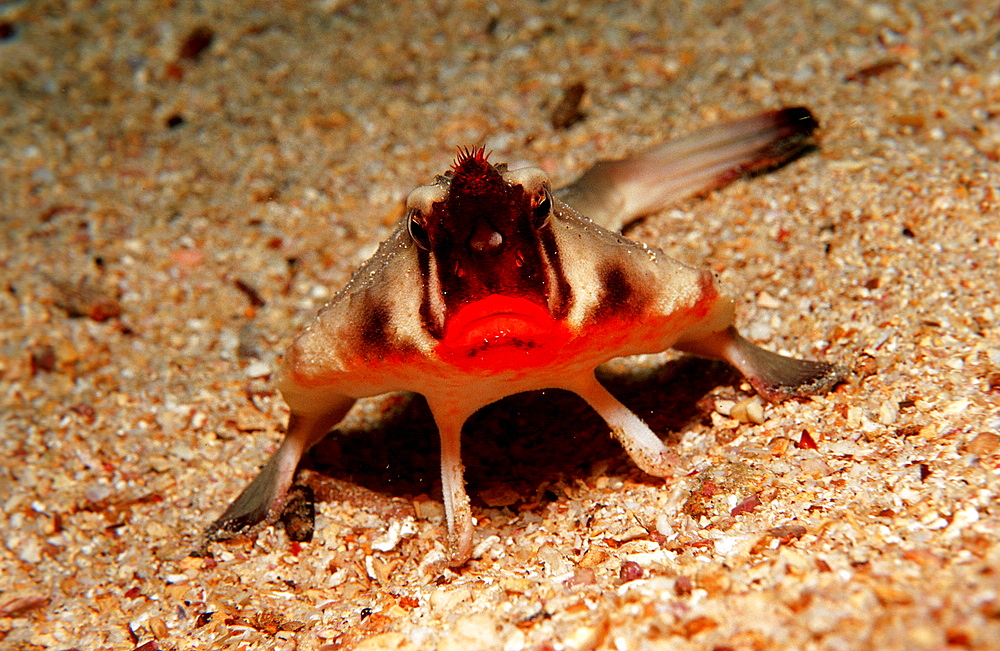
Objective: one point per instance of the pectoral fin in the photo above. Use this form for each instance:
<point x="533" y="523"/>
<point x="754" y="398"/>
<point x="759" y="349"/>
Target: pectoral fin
<point x="456" y="500"/>
<point x="314" y="413"/>
<point x="773" y="376"/>
<point x="450" y="413"/>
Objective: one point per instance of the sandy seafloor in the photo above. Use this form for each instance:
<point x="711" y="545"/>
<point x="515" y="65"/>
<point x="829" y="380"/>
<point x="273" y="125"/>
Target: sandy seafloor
<point x="218" y="189"/>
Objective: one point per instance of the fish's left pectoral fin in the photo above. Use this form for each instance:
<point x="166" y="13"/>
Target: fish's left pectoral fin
<point x="259" y="501"/>
<point x="773" y="376"/>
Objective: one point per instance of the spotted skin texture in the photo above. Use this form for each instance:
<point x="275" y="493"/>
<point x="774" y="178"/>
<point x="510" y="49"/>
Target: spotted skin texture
<point x="496" y="285"/>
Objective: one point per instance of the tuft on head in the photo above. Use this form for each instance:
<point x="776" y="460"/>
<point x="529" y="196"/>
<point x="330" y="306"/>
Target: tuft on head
<point x="471" y="155"/>
<point x="472" y="173"/>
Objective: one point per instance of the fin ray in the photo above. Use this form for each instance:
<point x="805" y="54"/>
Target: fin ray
<point x="612" y="193"/>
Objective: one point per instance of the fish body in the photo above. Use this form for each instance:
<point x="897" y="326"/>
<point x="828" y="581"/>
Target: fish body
<point x="495" y="284"/>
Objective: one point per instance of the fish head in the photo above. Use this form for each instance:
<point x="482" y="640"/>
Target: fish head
<point x="485" y="251"/>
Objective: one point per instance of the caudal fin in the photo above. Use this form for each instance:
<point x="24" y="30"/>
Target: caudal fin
<point x="612" y="193"/>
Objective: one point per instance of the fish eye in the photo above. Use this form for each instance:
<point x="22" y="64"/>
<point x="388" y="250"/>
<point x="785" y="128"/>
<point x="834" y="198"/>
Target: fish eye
<point x="417" y="231"/>
<point x="540" y="213"/>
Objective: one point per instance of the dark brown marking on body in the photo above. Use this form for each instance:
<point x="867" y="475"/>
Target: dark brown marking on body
<point x="373" y="326"/>
<point x="379" y="340"/>
<point x="560" y="297"/>
<point x="708" y="290"/>
<point x="427" y="318"/>
<point x="619" y="297"/>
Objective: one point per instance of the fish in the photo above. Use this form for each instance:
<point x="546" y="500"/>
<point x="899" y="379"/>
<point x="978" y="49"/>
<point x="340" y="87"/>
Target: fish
<point x="495" y="283"/>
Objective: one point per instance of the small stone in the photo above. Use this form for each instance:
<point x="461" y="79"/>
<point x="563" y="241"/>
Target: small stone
<point x="396" y="531"/>
<point x="984" y="444"/>
<point x="198" y="420"/>
<point x="478" y="631"/>
<point x="594" y="557"/>
<point x="249" y="419"/>
<point x="815" y="467"/>
<point x="888" y="412"/>
<point x="484" y="546"/>
<point x="97" y="492"/>
<point x="258" y="368"/>
<point x="664" y="525"/>
<point x="787" y="532"/>
<point x="289" y="644"/>
<point x="767" y="301"/>
<point x="748" y="411"/>
<point x="746" y="506"/>
<point x="582" y="576"/>
<point x="19" y="606"/>
<point x="192" y="563"/>
<point x="630" y="571"/>
<point x="555" y="561"/>
<point x="502" y="495"/>
<point x="699" y="625"/>
<point x="428" y="509"/>
<point x="158" y="628"/>
<point x="516" y="584"/>
<point x="391" y="641"/>
<point x="889" y="594"/>
<point x="583" y="638"/>
<point x="157" y="531"/>
<point x="445" y="601"/>
<point x="632" y="533"/>
<point x="961" y="520"/>
<point x="807" y="442"/>
<point x="159" y="463"/>
<point x="379" y="569"/>
<point x="779" y="445"/>
<point x="171" y="422"/>
<point x="956" y="408"/>
<point x="725" y="407"/>
<point x="739" y="412"/>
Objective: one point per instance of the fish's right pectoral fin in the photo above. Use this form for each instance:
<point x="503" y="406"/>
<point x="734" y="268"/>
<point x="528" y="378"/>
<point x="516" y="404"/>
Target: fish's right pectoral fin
<point x="261" y="499"/>
<point x="314" y="414"/>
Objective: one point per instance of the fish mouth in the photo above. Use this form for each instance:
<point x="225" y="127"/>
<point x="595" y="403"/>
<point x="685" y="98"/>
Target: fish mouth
<point x="497" y="321"/>
<point x="500" y="333"/>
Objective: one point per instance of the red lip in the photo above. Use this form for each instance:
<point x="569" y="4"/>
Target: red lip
<point x="495" y="320"/>
<point x="501" y="332"/>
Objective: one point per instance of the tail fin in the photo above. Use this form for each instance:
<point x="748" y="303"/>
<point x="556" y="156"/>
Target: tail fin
<point x="612" y="193"/>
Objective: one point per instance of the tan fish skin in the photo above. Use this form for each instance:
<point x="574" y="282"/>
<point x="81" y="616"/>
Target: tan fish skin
<point x="498" y="286"/>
